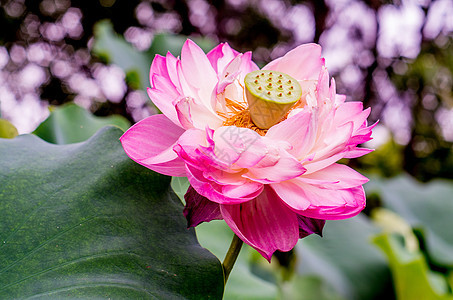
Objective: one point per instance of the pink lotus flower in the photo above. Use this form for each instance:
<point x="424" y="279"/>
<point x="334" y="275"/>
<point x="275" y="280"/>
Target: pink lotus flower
<point x="273" y="185"/>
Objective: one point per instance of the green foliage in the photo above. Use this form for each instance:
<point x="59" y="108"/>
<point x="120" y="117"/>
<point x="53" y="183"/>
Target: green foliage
<point x="7" y="130"/>
<point x="386" y="161"/>
<point x="426" y="207"/>
<point x="163" y="43"/>
<point x="412" y="276"/>
<point x="345" y="258"/>
<point x="242" y="283"/>
<point x="309" y="288"/>
<point x="180" y="186"/>
<point x="426" y="267"/>
<point x="70" y="123"/>
<point x="114" y="49"/>
<point x="427" y="82"/>
<point x="341" y="265"/>
<point x="84" y="221"/>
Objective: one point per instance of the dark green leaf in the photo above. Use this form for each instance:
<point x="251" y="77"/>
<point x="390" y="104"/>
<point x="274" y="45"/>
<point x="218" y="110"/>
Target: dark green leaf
<point x="72" y="124"/>
<point x="84" y="221"/>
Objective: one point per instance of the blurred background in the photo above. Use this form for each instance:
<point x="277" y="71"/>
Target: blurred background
<point x="395" y="56"/>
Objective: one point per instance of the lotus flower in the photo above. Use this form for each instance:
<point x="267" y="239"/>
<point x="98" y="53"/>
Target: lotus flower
<point x="265" y="162"/>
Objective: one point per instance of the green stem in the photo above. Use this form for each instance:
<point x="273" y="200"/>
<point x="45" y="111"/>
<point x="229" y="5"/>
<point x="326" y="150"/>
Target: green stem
<point x="231" y="256"/>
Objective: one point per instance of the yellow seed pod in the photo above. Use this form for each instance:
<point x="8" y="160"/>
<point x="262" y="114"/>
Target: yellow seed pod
<point x="270" y="95"/>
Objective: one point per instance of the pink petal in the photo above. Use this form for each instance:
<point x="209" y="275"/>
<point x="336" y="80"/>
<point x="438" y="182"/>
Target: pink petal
<point x="299" y="131"/>
<point x="321" y="203"/>
<point x="322" y="88"/>
<point x="309" y="226"/>
<point x="221" y="56"/>
<point x="247" y="65"/>
<point x="286" y="167"/>
<point x="264" y="223"/>
<point x="348" y="110"/>
<point x="334" y="142"/>
<point x="163" y="96"/>
<point x="158" y="67"/>
<point x="336" y="176"/>
<point x="195" y="149"/>
<point x="145" y="144"/>
<point x="230" y="73"/>
<point x="303" y="62"/>
<point x="316" y="165"/>
<point x="357" y="152"/>
<point x="172" y="71"/>
<point x="208" y="174"/>
<point x="265" y="160"/>
<point x="290" y="192"/>
<point x="199" y="209"/>
<point x="192" y="113"/>
<point x="199" y="73"/>
<point x="223" y="194"/>
<point x="240" y="146"/>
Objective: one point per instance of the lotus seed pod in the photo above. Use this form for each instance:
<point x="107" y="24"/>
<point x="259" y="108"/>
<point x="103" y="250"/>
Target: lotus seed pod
<point x="270" y="95"/>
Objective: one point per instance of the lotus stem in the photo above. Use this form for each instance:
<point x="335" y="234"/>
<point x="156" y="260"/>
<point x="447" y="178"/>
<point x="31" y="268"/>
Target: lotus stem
<point x="231" y="256"/>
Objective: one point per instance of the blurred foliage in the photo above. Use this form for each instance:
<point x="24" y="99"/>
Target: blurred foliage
<point x="112" y="48"/>
<point x="412" y="276"/>
<point x="427" y="208"/>
<point x="7" y="130"/>
<point x="344" y="258"/>
<point x="70" y="123"/>
<point x="429" y="80"/>
<point x="386" y="161"/>
<point x="421" y="266"/>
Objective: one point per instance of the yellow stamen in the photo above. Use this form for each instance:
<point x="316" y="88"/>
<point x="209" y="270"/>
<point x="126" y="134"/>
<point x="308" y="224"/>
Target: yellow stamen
<point x="239" y="115"/>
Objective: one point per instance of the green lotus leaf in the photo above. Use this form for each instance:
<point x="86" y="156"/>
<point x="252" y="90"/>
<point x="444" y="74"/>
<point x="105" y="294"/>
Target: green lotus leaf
<point x="84" y="221"/>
